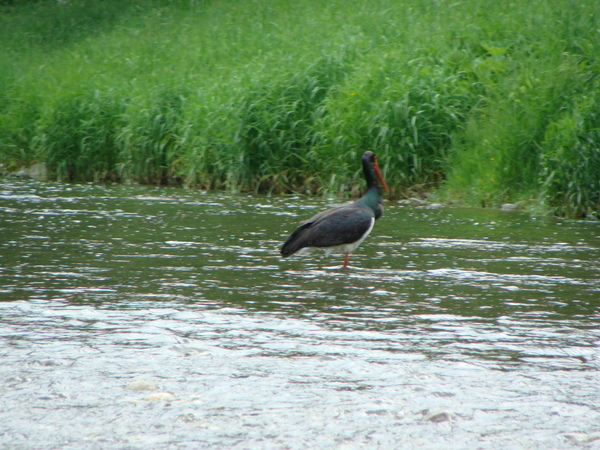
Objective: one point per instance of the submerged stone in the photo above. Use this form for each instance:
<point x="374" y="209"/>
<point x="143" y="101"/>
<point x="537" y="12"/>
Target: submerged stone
<point x="439" y="415"/>
<point x="141" y="385"/>
<point x="159" y="397"/>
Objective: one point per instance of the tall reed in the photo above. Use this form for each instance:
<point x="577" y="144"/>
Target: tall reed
<point x="487" y="101"/>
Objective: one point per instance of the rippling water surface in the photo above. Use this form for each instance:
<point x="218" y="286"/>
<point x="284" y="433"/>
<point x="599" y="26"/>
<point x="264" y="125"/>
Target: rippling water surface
<point x="453" y="328"/>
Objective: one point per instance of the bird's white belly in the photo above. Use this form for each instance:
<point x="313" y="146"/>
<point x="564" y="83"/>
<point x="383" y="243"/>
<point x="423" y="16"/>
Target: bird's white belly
<point x="349" y="248"/>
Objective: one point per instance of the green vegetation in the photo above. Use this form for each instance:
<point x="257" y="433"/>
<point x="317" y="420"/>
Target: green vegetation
<point x="482" y="102"/>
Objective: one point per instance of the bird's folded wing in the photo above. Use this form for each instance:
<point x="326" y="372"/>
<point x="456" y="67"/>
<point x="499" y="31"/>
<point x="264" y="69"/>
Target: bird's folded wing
<point x="342" y="225"/>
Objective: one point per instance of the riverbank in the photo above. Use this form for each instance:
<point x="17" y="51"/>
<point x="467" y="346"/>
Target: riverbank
<point x="482" y="103"/>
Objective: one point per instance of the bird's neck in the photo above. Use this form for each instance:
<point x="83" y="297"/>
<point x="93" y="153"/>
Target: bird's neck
<point x="372" y="200"/>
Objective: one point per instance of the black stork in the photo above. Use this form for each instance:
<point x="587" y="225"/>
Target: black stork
<point x="343" y="228"/>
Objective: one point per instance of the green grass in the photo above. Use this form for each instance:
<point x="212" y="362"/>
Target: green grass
<point x="482" y="102"/>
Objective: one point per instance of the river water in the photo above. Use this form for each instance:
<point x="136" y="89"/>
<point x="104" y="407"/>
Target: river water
<point x="141" y="317"/>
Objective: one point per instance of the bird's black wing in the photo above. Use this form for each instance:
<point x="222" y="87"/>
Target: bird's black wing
<point x="341" y="225"/>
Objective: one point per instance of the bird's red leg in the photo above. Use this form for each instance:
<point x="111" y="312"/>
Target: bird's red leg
<point x="347" y="257"/>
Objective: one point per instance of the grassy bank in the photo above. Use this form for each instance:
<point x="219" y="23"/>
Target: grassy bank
<point x="489" y="102"/>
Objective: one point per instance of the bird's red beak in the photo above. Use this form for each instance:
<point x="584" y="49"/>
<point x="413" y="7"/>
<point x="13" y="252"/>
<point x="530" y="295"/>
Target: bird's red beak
<point x="378" y="173"/>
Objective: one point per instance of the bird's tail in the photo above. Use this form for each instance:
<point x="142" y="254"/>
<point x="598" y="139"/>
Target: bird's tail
<point x="294" y="243"/>
<point x="289" y="247"/>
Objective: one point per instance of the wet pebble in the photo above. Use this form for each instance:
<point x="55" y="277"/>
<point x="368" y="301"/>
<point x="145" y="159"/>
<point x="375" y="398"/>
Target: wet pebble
<point x="583" y="438"/>
<point x="438" y="415"/>
<point x="141" y="385"/>
<point x="159" y="397"/>
<point x="419" y="202"/>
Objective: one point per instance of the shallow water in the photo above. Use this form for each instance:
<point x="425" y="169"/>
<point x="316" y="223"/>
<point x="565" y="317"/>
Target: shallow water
<point x="454" y="328"/>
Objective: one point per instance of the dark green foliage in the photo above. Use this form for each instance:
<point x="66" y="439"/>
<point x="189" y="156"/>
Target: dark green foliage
<point x="407" y="118"/>
<point x="19" y="132"/>
<point x="280" y="127"/>
<point x="149" y="143"/>
<point x="49" y="23"/>
<point x="77" y="140"/>
<point x="571" y="159"/>
<point x="489" y="101"/>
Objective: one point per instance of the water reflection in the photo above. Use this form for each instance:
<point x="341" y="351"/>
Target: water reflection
<point x="490" y="318"/>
